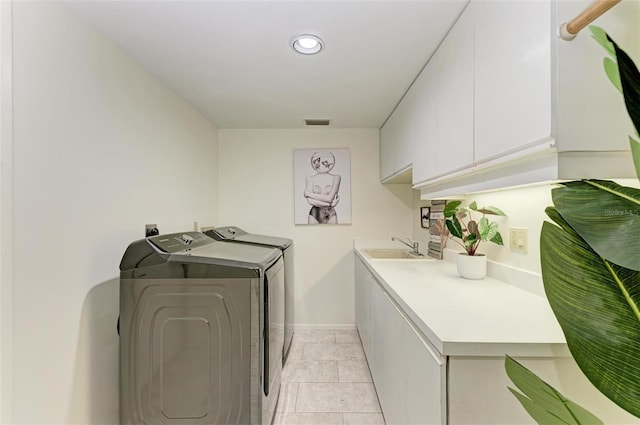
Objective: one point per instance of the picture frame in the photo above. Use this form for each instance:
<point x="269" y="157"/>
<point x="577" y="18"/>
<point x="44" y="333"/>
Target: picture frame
<point x="322" y="186"/>
<point x="425" y="213"/>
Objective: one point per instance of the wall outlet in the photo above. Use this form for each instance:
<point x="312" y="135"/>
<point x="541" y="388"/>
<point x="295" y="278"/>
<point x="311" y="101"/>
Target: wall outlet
<point x="150" y="230"/>
<point x="518" y="239"/>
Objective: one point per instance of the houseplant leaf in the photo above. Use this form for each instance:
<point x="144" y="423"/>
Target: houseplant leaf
<point x="543" y="402"/>
<point x="454" y="226"/>
<point x="630" y="81"/>
<point x="596" y="303"/>
<point x="610" y="66"/>
<point x="487" y="230"/>
<point x="491" y="211"/>
<point x="604" y="214"/>
<point x="611" y="69"/>
<point x="602" y="38"/>
<point x="451" y="208"/>
<point x="635" y="151"/>
<point x="497" y="239"/>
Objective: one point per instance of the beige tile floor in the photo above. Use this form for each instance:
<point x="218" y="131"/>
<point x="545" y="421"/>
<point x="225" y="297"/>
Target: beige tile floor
<point x="326" y="381"/>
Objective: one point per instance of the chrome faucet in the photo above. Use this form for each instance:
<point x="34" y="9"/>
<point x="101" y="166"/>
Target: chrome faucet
<point x="409" y="243"/>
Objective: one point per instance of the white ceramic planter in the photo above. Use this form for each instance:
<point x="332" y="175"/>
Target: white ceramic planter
<point x="472" y="266"/>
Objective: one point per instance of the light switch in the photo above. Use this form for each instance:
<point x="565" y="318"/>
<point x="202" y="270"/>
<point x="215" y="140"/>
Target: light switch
<point x="518" y="238"/>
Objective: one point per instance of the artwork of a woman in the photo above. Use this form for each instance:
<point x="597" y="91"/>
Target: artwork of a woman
<point x="322" y="186"/>
<point x="321" y="189"/>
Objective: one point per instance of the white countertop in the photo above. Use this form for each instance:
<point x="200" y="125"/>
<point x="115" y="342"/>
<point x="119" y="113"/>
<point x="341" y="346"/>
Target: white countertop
<point x="463" y="317"/>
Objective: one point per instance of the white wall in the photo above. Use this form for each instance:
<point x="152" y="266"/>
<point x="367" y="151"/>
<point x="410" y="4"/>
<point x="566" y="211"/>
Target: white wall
<point x="100" y="148"/>
<point x="525" y="209"/>
<point x="5" y="203"/>
<point x="256" y="194"/>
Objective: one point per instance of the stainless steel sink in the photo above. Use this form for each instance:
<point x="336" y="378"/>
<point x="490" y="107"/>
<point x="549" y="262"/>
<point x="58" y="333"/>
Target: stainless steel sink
<point x="393" y="254"/>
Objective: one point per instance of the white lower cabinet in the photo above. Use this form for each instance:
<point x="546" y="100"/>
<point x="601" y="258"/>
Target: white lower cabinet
<point x="409" y="374"/>
<point x="364" y="317"/>
<point x="416" y="384"/>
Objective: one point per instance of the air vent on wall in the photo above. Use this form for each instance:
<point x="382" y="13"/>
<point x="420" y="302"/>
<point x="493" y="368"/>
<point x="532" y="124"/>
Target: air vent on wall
<point x="316" y="123"/>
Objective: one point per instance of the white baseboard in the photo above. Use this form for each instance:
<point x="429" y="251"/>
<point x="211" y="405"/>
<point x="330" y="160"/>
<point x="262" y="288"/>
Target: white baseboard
<point x="324" y="327"/>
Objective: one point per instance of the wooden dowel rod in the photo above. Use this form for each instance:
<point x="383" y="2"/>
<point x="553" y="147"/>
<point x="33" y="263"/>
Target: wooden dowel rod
<point x="589" y="15"/>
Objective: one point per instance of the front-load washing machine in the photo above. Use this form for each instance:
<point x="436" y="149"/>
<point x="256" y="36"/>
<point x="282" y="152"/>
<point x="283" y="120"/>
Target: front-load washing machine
<point x="200" y="331"/>
<point x="235" y="234"/>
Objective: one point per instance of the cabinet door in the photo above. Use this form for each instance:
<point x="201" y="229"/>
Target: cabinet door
<point x="364" y="317"/>
<point x="426" y="380"/>
<point x="381" y="338"/>
<point x="443" y="105"/>
<point x="394" y="369"/>
<point x="403" y="155"/>
<point x="591" y="116"/>
<point x="512" y="75"/>
<point x="454" y="62"/>
<point x="409" y="373"/>
<point x="388" y="138"/>
<point x="396" y="139"/>
<point x="424" y="124"/>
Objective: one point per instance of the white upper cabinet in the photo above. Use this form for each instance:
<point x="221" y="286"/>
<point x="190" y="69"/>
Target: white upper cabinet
<point x="504" y="101"/>
<point x="424" y="124"/>
<point x="451" y="95"/>
<point x="512" y="76"/>
<point x="396" y="140"/>
<point x="454" y="108"/>
<point x="590" y="113"/>
<point x="388" y="140"/>
<point x="443" y="113"/>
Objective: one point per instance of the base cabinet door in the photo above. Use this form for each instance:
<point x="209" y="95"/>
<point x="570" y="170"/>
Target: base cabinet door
<point x="479" y="391"/>
<point x="409" y="374"/>
<point x="426" y="380"/>
<point x="364" y="312"/>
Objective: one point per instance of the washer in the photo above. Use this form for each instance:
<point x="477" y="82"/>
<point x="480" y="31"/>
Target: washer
<point x="201" y="331"/>
<point x="235" y="234"/>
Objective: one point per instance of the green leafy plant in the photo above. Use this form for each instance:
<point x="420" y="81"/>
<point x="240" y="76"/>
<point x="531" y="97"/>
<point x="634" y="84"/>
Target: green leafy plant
<point x="544" y="403"/>
<point x="591" y="265"/>
<point x="471" y="232"/>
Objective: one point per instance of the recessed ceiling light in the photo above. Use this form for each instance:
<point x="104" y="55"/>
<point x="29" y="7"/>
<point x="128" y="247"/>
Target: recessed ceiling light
<point x="307" y="44"/>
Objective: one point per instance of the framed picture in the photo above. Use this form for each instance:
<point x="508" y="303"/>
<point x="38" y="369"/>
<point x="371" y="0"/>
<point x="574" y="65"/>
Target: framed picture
<point x="424" y="217"/>
<point x="322" y="185"/>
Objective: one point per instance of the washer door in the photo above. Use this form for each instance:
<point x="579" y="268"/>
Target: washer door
<point x="273" y="330"/>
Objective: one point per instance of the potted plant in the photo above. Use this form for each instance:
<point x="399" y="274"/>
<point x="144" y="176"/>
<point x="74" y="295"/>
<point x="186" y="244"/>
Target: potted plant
<point x="462" y="225"/>
<point x="591" y="275"/>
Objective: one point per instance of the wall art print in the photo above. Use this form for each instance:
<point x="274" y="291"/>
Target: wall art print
<point x="322" y="186"/>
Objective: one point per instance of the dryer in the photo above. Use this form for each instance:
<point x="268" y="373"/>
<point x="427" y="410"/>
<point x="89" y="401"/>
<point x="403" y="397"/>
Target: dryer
<point x="200" y="331"/>
<point x="236" y="234"/>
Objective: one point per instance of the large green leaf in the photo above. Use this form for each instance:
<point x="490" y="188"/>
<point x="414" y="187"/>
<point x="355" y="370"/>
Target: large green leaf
<point x="543" y="402"/>
<point x="635" y="151"/>
<point x="611" y="69"/>
<point x="602" y="38"/>
<point x="596" y="303"/>
<point x="606" y="215"/>
<point x="630" y="81"/>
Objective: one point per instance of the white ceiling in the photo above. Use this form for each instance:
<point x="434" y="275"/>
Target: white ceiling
<point x="232" y="61"/>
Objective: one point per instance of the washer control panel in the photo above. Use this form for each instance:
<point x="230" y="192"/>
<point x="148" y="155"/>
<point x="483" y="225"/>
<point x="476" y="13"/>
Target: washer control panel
<point x="177" y="242"/>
